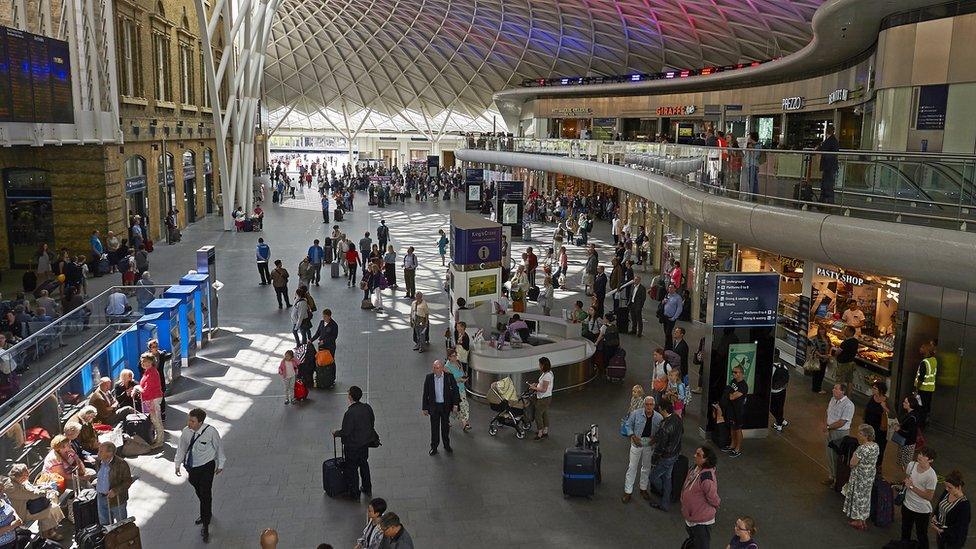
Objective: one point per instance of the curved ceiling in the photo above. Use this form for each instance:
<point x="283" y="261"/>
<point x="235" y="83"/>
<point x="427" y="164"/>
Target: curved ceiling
<point x="432" y="66"/>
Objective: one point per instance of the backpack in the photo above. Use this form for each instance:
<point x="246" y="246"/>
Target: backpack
<point x="781" y="377"/>
<point x="612" y="338"/>
<point x="311" y="304"/>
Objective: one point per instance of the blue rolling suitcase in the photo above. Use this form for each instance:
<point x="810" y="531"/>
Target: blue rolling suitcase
<point x="579" y="472"/>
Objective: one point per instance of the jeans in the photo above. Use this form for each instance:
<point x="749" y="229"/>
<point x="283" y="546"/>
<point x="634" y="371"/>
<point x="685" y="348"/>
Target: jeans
<point x="668" y="331"/>
<point x="316" y="273"/>
<point x="660" y="478"/>
<point x="352" y="273"/>
<point x="306" y="334"/>
<point x="280" y="293"/>
<point x="818" y="377"/>
<point x="108" y="516"/>
<point x="753" y="180"/>
<point x="638" y="456"/>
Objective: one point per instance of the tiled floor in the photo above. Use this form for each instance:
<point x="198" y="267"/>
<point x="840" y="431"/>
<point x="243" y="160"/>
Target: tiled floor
<point x="491" y="491"/>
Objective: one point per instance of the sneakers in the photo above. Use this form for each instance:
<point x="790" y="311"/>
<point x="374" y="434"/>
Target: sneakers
<point x="785" y="423"/>
<point x="727" y="449"/>
<point x="778" y="427"/>
<point x="734" y="454"/>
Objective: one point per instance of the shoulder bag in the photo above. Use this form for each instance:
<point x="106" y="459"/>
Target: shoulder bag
<point x="900" y="490"/>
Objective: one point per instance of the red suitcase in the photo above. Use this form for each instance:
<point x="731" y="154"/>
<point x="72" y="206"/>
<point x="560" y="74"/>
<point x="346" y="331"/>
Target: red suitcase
<point x="301" y="391"/>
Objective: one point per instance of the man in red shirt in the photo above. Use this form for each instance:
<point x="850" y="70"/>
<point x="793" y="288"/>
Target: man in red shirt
<point x="531" y="262"/>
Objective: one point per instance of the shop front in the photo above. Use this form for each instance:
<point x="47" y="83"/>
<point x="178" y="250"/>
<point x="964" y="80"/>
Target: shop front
<point x="639" y="129"/>
<point x="683" y="122"/>
<point x="167" y="190"/>
<point x="189" y="186"/>
<point x="869" y="303"/>
<point x="29" y="214"/>
<point x="208" y="186"/>
<point x="136" y="200"/>
<point x="791" y="325"/>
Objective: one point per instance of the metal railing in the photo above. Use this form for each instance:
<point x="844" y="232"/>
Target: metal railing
<point x="922" y="189"/>
<point x="52" y="352"/>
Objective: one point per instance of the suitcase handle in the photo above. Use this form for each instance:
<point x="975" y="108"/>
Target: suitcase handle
<point x="335" y="448"/>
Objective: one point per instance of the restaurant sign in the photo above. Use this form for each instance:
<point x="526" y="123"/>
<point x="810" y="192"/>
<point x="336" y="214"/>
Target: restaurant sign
<point x="676" y="110"/>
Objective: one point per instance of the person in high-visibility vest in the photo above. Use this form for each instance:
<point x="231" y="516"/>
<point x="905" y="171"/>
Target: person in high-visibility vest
<point x="928" y="367"/>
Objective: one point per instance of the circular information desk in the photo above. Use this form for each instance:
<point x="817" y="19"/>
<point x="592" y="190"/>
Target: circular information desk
<point x="571" y="357"/>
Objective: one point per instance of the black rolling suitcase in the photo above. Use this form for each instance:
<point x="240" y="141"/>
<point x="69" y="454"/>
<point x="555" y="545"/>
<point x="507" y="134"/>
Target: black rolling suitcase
<point x="579" y="472"/>
<point x="622" y="314"/>
<point x="334" y="270"/>
<point x="139" y="424"/>
<point x="84" y="513"/>
<point x="338" y="214"/>
<point x="334" y="480"/>
<point x="533" y="293"/>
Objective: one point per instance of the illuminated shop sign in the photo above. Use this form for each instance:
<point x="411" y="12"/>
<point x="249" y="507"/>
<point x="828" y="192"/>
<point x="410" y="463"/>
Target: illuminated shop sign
<point x="676" y="110"/>
<point x="573" y="111"/>
<point x="837" y="96"/>
<point x="792" y="103"/>
<point x="845" y="278"/>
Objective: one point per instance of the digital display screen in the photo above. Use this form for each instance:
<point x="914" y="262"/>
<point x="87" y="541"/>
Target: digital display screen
<point x="482" y="285"/>
<point x="35" y="78"/>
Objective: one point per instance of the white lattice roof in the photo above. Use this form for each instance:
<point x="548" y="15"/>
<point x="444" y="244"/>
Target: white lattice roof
<point x="432" y="65"/>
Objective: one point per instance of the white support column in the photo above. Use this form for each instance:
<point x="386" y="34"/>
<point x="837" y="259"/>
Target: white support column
<point x="247" y="26"/>
<point x="19" y="15"/>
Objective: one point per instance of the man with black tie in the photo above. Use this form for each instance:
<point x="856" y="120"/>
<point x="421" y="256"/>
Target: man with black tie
<point x="201" y="453"/>
<point x="441" y="397"/>
<point x="637" y="298"/>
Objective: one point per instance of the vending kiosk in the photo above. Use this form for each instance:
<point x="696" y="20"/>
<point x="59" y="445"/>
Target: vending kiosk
<point x="188" y="319"/>
<point x="203" y="302"/>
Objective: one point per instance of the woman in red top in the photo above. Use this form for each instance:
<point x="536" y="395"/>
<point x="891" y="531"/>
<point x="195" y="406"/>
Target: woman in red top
<point x="152" y="394"/>
<point x="352" y="261"/>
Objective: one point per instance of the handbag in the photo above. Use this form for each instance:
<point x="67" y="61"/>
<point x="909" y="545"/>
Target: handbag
<point x="623" y="427"/>
<point x="38" y="504"/>
<point x="898" y="439"/>
<point x="900" y="490"/>
<point x="811" y="364"/>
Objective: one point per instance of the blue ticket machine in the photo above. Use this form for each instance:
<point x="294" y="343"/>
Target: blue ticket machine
<point x="202" y="304"/>
<point x="168" y="333"/>
<point x="188" y="319"/>
<point x="146" y="328"/>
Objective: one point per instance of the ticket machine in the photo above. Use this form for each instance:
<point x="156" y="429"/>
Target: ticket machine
<point x="202" y="303"/>
<point x="168" y="332"/>
<point x="188" y="319"/>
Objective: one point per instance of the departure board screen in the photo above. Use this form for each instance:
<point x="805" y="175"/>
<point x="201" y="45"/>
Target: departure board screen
<point x="21" y="88"/>
<point x="35" y="78"/>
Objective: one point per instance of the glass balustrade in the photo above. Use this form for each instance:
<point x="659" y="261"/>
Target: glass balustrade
<point x="917" y="188"/>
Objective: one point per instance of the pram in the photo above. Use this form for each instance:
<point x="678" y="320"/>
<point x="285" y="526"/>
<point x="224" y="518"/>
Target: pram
<point x="511" y="409"/>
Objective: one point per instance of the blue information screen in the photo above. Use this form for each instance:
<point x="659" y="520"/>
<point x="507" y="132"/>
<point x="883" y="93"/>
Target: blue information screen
<point x="745" y="299"/>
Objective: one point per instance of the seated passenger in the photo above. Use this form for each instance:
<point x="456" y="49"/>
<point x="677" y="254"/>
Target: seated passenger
<point x="519" y="326"/>
<point x="42" y="315"/>
<point x="47" y="303"/>
<point x="72" y="432"/>
<point x="125" y="391"/>
<point x="88" y="435"/>
<point x="118" y="305"/>
<point x="63" y="461"/>
<point x="109" y="411"/>
<point x="20" y="491"/>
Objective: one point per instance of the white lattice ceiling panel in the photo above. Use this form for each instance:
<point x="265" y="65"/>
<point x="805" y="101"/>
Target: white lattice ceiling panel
<point x="432" y="66"/>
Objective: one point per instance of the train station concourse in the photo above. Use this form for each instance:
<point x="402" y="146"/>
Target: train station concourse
<point x="310" y="274"/>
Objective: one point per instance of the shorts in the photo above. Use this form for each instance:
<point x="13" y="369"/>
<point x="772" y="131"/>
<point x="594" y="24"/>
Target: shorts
<point x="733" y="417"/>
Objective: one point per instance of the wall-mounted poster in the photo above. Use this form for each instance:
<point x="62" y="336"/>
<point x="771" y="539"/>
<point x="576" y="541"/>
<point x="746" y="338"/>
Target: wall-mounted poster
<point x="482" y="285"/>
<point x="509" y="213"/>
<point x="744" y="356"/>
<point x="474" y="193"/>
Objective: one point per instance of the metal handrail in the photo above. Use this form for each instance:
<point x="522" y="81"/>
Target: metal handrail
<point x="671" y="161"/>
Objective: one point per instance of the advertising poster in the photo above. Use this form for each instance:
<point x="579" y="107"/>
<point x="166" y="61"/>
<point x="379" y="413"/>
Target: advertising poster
<point x="509" y="214"/>
<point x="482" y="285"/>
<point x="474" y="193"/>
<point x="744" y="356"/>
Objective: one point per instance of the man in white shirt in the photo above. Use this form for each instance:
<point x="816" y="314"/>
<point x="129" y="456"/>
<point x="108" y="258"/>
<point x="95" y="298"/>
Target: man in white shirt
<point x="118" y="305"/>
<point x="853" y="316"/>
<point x="409" y="272"/>
<point x="840" y="412"/>
<point x="201" y="453"/>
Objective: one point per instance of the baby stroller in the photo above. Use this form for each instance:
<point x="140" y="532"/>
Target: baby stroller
<point x="511" y="409"/>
